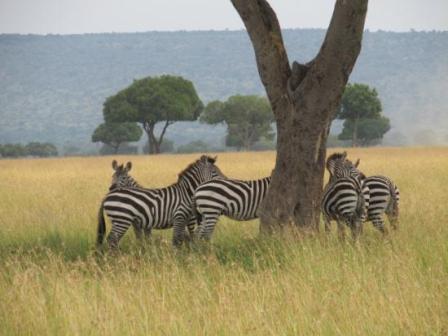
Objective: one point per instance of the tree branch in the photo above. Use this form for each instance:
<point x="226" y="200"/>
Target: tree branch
<point x="167" y="123"/>
<point x="342" y="43"/>
<point x="265" y="33"/>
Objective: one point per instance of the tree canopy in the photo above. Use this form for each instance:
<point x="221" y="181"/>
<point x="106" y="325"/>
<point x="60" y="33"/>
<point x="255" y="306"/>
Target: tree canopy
<point x="248" y="119"/>
<point x="114" y="134"/>
<point x="361" y="108"/>
<point x="31" y="149"/>
<point x="151" y="100"/>
<point x="370" y="131"/>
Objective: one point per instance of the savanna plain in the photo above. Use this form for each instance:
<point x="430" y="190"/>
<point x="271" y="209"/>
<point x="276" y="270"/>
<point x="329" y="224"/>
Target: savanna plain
<point x="52" y="282"/>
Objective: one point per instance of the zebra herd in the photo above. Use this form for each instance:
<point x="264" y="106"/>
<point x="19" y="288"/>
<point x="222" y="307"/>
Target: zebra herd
<point x="351" y="198"/>
<point x="202" y="193"/>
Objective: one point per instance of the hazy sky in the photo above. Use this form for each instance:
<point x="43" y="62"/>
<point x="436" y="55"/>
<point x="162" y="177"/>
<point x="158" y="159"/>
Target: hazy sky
<point x="92" y="16"/>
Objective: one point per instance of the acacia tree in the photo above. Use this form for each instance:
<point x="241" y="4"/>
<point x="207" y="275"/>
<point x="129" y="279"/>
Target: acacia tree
<point x="248" y="118"/>
<point x="151" y="100"/>
<point x="368" y="131"/>
<point x="361" y="109"/>
<point x="304" y="99"/>
<point x="114" y="134"/>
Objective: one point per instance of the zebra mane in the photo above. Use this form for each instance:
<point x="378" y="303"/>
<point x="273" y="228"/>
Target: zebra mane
<point x="203" y="159"/>
<point x="337" y="156"/>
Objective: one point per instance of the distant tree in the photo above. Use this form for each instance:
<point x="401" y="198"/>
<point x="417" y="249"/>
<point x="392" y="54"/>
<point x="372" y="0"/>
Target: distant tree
<point x="197" y="146"/>
<point x="360" y="102"/>
<point x="264" y="144"/>
<point x="114" y="134"/>
<point x="333" y="141"/>
<point x="167" y="146"/>
<point x="70" y="149"/>
<point x="369" y="131"/>
<point x="124" y="148"/>
<point x="151" y="100"/>
<point x="13" y="150"/>
<point x="41" y="149"/>
<point x="248" y="119"/>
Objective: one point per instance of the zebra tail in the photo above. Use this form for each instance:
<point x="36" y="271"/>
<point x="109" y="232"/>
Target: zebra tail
<point x="395" y="198"/>
<point x="101" y="230"/>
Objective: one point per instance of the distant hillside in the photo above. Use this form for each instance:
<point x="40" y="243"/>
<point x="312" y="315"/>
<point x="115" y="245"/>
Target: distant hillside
<point x="52" y="87"/>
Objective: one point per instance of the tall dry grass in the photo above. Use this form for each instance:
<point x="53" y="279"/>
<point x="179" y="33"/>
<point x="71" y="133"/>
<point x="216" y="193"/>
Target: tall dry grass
<point x="51" y="282"/>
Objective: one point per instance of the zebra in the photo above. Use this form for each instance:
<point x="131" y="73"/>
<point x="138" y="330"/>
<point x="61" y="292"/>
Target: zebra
<point x="337" y="167"/>
<point x="155" y="208"/>
<point x="236" y="199"/>
<point x="344" y="201"/>
<point x="384" y="194"/>
<point x="121" y="178"/>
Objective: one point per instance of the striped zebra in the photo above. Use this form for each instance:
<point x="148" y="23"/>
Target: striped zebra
<point x="121" y="178"/>
<point x="235" y="199"/>
<point x="155" y="208"/>
<point x="344" y="201"/>
<point x="384" y="194"/>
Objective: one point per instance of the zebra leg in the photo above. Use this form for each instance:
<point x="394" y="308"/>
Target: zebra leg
<point x="189" y="234"/>
<point x="378" y="223"/>
<point x="147" y="232"/>
<point x="327" y="224"/>
<point x="179" y="230"/>
<point x="138" y="231"/>
<point x="356" y="228"/>
<point x="341" y="230"/>
<point x="207" y="226"/>
<point x="392" y="215"/>
<point x="119" y="228"/>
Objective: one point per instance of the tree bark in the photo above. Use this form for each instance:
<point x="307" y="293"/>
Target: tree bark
<point x="148" y="126"/>
<point x="154" y="143"/>
<point x="304" y="99"/>
<point x="115" y="147"/>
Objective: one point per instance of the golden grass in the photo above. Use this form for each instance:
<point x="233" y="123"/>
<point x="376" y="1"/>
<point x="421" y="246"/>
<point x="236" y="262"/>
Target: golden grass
<point x="52" y="283"/>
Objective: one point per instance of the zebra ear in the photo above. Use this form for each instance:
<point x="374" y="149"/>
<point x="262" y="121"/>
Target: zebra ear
<point x="114" y="165"/>
<point x="128" y="166"/>
<point x="357" y="163"/>
<point x="344" y="155"/>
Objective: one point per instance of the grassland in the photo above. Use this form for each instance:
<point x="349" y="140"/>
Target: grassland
<point x="52" y="283"/>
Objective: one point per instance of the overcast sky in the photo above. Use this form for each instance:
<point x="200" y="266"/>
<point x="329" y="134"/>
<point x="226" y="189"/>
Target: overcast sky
<point x="93" y="16"/>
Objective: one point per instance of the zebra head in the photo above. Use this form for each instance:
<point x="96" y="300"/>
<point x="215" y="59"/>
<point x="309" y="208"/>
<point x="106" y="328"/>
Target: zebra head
<point x="120" y="177"/>
<point x="200" y="171"/>
<point x="339" y="166"/>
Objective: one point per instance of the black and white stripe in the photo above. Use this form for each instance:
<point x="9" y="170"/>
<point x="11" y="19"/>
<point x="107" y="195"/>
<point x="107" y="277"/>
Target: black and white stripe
<point x="235" y="199"/>
<point x="343" y="201"/>
<point x="155" y="208"/>
<point x="384" y="195"/>
<point x="384" y="199"/>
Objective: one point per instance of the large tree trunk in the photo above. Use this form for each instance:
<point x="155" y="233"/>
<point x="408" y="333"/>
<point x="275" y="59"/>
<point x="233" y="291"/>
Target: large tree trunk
<point x="154" y="143"/>
<point x="304" y="100"/>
